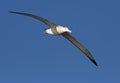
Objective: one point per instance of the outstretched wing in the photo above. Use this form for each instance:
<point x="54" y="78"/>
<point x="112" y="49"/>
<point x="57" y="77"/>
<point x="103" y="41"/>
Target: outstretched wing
<point x="79" y="46"/>
<point x="36" y="17"/>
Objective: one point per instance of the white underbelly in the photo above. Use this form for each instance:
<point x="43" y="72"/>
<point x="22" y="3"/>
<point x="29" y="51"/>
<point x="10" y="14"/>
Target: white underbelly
<point x="60" y="29"/>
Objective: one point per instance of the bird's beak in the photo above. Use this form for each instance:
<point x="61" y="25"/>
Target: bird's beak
<point x="69" y="31"/>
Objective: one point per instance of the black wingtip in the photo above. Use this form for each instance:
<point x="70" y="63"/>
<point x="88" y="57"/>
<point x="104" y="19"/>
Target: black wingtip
<point x="14" y="12"/>
<point x="94" y="62"/>
<point x="11" y="12"/>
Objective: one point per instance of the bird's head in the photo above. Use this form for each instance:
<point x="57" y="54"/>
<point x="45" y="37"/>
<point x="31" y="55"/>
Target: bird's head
<point x="67" y="30"/>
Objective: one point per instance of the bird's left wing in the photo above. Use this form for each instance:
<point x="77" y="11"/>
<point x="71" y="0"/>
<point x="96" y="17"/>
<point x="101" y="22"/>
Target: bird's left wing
<point x="36" y="17"/>
<point x="79" y="46"/>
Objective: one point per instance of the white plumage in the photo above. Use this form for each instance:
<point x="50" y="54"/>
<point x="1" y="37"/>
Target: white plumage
<point x="59" y="29"/>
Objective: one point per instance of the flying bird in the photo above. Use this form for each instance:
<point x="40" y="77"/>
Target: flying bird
<point x="58" y="30"/>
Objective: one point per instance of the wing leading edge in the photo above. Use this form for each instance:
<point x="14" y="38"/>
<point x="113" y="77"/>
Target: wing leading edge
<point x="36" y="17"/>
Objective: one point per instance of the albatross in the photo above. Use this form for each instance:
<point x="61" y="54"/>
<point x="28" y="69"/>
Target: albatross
<point x="58" y="30"/>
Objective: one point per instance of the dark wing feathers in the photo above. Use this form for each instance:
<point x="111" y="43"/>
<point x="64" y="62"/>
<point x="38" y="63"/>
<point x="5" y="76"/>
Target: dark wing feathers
<point x="79" y="46"/>
<point x="36" y="17"/>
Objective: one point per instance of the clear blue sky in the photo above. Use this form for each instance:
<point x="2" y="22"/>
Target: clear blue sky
<point x="28" y="55"/>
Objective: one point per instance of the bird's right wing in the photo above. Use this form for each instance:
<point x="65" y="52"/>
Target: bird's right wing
<point x="79" y="46"/>
<point x="36" y="17"/>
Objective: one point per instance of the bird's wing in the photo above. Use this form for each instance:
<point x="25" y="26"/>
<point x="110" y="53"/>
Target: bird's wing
<point x="36" y="17"/>
<point x="79" y="46"/>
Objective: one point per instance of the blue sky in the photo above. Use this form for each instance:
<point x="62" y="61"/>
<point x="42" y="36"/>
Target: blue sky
<point x="28" y="55"/>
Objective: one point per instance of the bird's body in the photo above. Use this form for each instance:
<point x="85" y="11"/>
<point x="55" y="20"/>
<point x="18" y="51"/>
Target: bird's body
<point x="60" y="30"/>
